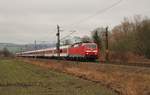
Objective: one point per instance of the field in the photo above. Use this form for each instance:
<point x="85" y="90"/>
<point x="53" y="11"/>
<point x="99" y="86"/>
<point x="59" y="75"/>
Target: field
<point x="20" y="78"/>
<point x="123" y="79"/>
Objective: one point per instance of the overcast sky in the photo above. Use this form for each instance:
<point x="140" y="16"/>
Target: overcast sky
<point x="23" y="21"/>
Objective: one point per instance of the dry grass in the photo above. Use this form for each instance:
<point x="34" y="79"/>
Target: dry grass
<point x="19" y="78"/>
<point x="125" y="80"/>
<point x="127" y="57"/>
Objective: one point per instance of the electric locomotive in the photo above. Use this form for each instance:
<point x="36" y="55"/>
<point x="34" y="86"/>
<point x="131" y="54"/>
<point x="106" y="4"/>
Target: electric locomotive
<point x="75" y="51"/>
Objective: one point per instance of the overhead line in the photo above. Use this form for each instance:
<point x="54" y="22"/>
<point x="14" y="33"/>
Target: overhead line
<point x="97" y="13"/>
<point x="68" y="35"/>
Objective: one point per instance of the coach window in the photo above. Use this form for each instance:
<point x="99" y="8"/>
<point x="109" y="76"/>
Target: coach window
<point x="49" y="51"/>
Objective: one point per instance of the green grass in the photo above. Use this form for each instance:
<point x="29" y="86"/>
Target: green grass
<point x="18" y="78"/>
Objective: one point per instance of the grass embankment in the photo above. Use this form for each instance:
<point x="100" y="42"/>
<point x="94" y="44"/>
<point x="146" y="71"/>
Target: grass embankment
<point x="19" y="78"/>
<point x="126" y="80"/>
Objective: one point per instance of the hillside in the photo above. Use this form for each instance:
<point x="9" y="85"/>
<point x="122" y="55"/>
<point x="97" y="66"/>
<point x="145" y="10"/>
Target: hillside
<point x="23" y="47"/>
<point x="11" y="47"/>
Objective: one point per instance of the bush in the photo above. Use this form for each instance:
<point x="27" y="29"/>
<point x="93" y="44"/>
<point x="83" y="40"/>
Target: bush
<point x="5" y="53"/>
<point x="132" y="36"/>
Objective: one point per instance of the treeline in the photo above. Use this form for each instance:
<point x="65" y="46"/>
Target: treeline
<point x="132" y="36"/>
<point x="128" y="40"/>
<point x="6" y="53"/>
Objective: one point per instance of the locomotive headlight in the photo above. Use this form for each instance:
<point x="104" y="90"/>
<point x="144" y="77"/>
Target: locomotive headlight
<point x="95" y="51"/>
<point x="87" y="53"/>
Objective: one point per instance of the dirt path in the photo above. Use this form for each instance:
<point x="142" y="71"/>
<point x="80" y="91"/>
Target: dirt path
<point x="125" y="80"/>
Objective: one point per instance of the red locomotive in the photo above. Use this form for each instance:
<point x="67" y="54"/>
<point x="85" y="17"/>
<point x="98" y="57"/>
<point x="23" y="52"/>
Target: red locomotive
<point x="75" y="51"/>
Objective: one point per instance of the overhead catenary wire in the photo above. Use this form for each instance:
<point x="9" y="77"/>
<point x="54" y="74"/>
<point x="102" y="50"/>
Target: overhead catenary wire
<point x="98" y="12"/>
<point x="67" y="35"/>
<point x="90" y="17"/>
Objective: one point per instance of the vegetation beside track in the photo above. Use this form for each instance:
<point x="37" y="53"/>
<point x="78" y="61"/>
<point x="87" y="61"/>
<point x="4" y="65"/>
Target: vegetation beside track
<point x="20" y="78"/>
<point x="126" y="80"/>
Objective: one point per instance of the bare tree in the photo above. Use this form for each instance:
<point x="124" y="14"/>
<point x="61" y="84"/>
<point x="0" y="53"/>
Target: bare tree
<point x="6" y="52"/>
<point x="97" y="35"/>
<point x="132" y="36"/>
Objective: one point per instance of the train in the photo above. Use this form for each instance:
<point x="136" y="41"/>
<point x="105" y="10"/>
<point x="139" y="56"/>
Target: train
<point x="75" y="51"/>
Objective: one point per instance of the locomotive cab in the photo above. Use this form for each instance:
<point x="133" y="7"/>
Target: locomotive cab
<point x="83" y="51"/>
<point x="91" y="50"/>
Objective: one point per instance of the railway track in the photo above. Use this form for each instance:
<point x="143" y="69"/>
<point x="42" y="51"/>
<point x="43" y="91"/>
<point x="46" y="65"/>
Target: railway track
<point x="132" y="64"/>
<point x="137" y="64"/>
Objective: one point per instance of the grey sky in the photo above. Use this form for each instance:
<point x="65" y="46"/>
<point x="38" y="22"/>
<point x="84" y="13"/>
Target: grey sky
<point x="23" y="21"/>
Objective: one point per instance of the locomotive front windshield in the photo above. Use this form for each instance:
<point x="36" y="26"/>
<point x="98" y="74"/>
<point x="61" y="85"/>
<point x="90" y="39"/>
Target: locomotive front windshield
<point x="92" y="46"/>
